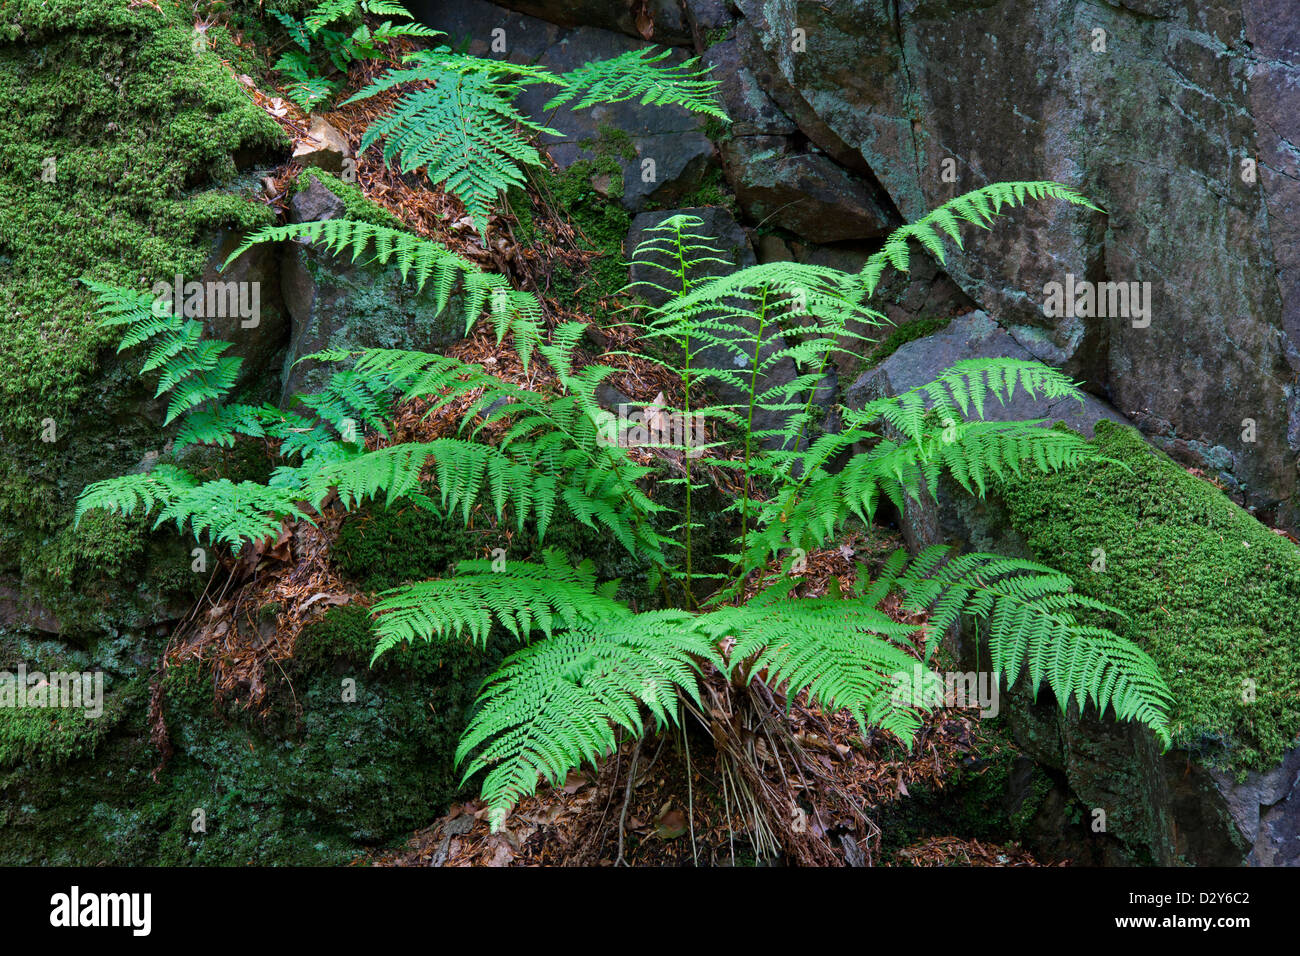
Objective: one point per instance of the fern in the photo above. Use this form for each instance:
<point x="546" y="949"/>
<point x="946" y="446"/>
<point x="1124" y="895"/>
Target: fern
<point x="555" y="704"/>
<point x="340" y="47"/>
<point x="643" y="74"/>
<point x="422" y="261"/>
<point x="192" y="369"/>
<point x="462" y="125"/>
<point x="590" y="665"/>
<point x="1032" y="622"/>
<point x="522" y="597"/>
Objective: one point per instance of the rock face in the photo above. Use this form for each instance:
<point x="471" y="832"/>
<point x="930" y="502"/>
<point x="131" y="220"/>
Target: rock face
<point x="1150" y="110"/>
<point x="334" y="303"/>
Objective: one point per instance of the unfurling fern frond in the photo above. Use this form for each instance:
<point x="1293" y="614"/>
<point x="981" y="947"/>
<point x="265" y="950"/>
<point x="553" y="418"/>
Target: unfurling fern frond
<point x="521" y="596"/>
<point x="1031" y="612"/>
<point x="643" y="74"/>
<point x="555" y="704"/>
<point x="422" y="261"/>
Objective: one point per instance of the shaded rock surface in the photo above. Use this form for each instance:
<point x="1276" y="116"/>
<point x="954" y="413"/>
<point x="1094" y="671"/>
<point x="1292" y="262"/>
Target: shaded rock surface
<point x="1152" y="121"/>
<point x="335" y="303"/>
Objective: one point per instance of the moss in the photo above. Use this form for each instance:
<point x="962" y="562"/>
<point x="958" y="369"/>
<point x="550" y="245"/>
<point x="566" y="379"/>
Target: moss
<point x="1210" y="593"/>
<point x="601" y="220"/>
<point x="358" y="207"/>
<point x="712" y="191"/>
<point x="139" y="130"/>
<point x="315" y="779"/>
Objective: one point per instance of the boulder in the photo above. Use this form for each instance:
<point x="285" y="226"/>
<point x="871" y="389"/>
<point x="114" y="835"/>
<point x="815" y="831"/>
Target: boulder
<point x="1150" y="108"/>
<point x="658" y="20"/>
<point x="335" y="303"/>
<point x="805" y="193"/>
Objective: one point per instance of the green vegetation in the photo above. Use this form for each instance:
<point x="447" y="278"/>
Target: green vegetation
<point x="1210" y="593"/>
<point x="120" y="136"/>
<point x="900" y="335"/>
<point x="555" y="703"/>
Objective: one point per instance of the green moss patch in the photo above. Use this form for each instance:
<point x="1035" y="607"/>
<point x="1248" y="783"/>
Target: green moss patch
<point x="1211" y="594"/>
<point x="123" y="131"/>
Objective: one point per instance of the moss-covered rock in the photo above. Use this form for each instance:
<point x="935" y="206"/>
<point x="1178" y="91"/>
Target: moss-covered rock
<point x="1214" y="597"/>
<point x="124" y="139"/>
<point x="345" y="756"/>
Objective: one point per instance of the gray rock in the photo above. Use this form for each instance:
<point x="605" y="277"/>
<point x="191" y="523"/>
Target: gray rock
<point x="706" y="15"/>
<point x="1153" y="130"/>
<point x="669" y="152"/>
<point x="315" y="203"/>
<point x="1266" y="809"/>
<point x="970" y="336"/>
<point x="484" y="28"/>
<point x="658" y="20"/>
<point x="806" y="193"/>
<point x="752" y="111"/>
<point x="334" y="303"/>
<point x="946" y="514"/>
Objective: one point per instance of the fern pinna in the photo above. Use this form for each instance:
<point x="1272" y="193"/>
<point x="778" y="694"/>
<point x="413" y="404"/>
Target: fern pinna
<point x="591" y="664"/>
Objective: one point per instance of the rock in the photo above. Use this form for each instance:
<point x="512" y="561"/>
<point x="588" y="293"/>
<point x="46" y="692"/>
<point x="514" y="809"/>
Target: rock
<point x="258" y="338"/>
<point x="488" y="30"/>
<point x="805" y="193"/>
<point x="659" y="20"/>
<point x="970" y="336"/>
<point x="709" y="15"/>
<point x="315" y="203"/>
<point x="662" y="151"/>
<point x="752" y="111"/>
<point x="324" y="147"/>
<point x="1266" y="810"/>
<point x="917" y="91"/>
<point x="335" y="303"/>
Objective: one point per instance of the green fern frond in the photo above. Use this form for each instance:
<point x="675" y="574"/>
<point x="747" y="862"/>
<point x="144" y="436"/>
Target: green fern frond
<point x="554" y="705"/>
<point x="845" y="653"/>
<point x="643" y="74"/>
<point x="1031" y="612"/>
<point x="521" y="596"/>
<point x="421" y="262"/>
<point x="978" y="207"/>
